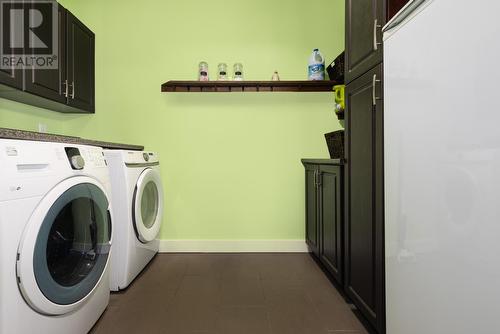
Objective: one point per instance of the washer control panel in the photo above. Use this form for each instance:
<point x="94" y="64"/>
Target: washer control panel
<point x="95" y="155"/>
<point x="81" y="157"/>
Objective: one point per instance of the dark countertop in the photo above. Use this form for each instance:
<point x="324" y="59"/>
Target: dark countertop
<point x="336" y="162"/>
<point x="37" y="136"/>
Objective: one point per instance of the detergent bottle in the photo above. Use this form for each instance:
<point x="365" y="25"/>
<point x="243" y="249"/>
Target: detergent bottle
<point x="316" y="70"/>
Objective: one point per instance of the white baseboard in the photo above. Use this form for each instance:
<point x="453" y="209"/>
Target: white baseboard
<point x="233" y="246"/>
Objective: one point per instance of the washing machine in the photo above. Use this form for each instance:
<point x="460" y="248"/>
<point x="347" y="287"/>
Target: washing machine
<point x="137" y="193"/>
<point x="55" y="237"/>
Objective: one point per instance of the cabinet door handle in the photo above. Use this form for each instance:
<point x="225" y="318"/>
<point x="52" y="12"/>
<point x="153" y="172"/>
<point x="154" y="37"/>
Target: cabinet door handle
<point x="315" y="179"/>
<point x="375" y="42"/>
<point x="374" y="90"/>
<point x="65" y="84"/>
<point x="72" y="90"/>
<point x="319" y="179"/>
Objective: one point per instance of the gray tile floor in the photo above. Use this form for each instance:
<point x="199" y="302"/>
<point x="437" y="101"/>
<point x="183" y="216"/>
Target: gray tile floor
<point x="230" y="294"/>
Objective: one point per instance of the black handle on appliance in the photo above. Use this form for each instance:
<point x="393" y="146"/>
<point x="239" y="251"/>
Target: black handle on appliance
<point x="110" y="226"/>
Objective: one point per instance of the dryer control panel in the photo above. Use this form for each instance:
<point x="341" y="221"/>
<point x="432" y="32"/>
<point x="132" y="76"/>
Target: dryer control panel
<point x="141" y="157"/>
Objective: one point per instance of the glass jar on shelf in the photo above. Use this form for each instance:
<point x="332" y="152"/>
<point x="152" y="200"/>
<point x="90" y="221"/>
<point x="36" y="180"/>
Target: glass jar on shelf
<point x="238" y="72"/>
<point x="203" y="71"/>
<point x="222" y="72"/>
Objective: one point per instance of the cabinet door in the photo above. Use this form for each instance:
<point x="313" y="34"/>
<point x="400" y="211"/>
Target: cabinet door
<point x="80" y="64"/>
<point x="13" y="78"/>
<point x="51" y="83"/>
<point x="330" y="180"/>
<point x="312" y="230"/>
<point x="364" y="235"/>
<point x="364" y="19"/>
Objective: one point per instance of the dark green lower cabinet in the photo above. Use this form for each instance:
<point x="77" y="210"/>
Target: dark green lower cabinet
<point x="330" y="214"/>
<point x="324" y="221"/>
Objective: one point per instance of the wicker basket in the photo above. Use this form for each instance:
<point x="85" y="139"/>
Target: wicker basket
<point x="336" y="69"/>
<point x="335" y="142"/>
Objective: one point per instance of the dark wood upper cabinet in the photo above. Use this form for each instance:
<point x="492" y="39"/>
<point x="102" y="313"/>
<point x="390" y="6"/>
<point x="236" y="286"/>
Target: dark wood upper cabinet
<point x="69" y="88"/>
<point x="80" y="64"/>
<point x="331" y="219"/>
<point x="364" y="21"/>
<point x="312" y="208"/>
<point x="364" y="233"/>
<point x="47" y="83"/>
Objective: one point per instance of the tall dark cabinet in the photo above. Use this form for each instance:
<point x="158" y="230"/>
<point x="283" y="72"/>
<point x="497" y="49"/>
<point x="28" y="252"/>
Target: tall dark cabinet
<point x="364" y="281"/>
<point x="364" y="235"/>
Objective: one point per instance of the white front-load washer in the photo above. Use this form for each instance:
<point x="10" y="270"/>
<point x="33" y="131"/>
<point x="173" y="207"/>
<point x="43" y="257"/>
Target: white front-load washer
<point x="55" y="237"/>
<point x="137" y="193"/>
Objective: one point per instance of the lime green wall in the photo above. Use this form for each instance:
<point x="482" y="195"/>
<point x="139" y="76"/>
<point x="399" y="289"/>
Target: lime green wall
<point x="20" y="116"/>
<point x="230" y="162"/>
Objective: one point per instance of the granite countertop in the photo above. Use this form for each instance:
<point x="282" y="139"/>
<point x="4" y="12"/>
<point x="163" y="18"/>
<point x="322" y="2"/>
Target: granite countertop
<point x="37" y="136"/>
<point x="337" y="162"/>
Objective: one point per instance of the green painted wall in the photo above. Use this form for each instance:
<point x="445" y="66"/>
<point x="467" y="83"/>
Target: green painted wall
<point x="230" y="162"/>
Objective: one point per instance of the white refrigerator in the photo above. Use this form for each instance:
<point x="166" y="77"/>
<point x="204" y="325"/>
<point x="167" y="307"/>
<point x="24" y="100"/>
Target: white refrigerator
<point x="442" y="167"/>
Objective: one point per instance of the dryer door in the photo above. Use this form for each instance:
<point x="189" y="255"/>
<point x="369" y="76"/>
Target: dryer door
<point x="65" y="247"/>
<point x="147" y="208"/>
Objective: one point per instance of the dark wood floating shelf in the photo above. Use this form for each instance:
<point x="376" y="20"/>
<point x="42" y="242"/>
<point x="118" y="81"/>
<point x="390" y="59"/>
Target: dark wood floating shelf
<point x="248" y="86"/>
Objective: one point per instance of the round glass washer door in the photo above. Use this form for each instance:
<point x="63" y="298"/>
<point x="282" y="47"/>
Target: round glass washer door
<point x="65" y="247"/>
<point x="147" y="207"/>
